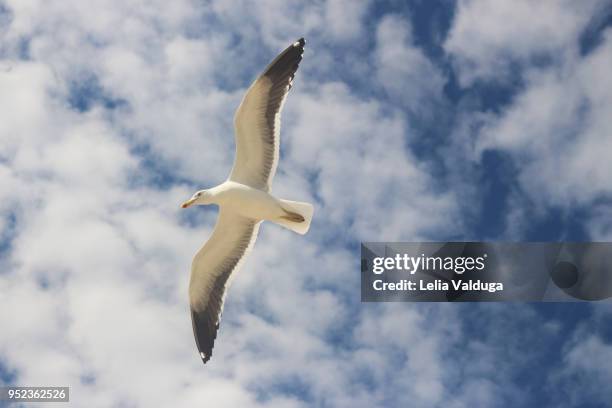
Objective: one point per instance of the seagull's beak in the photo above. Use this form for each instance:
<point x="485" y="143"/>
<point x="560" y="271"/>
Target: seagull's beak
<point x="188" y="203"/>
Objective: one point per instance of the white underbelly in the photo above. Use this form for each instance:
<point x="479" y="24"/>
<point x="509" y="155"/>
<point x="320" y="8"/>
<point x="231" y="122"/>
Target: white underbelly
<point x="250" y="202"/>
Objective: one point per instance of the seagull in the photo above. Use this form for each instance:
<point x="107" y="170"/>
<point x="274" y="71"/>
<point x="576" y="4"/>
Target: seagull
<point x="244" y="200"/>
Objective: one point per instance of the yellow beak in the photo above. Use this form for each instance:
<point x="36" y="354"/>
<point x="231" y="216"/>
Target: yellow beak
<point x="188" y="203"/>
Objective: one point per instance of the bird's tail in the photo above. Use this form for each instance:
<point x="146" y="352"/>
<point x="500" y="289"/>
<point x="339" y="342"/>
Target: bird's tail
<point x="297" y="216"/>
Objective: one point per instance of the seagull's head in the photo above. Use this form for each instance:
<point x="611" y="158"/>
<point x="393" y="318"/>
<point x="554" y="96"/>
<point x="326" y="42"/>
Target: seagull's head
<point x="202" y="197"/>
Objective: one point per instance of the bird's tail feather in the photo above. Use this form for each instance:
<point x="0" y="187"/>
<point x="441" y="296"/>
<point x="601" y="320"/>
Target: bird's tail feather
<point x="298" y="216"/>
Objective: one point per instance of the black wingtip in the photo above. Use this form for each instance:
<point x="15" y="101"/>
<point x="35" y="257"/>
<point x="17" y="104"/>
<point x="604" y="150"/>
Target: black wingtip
<point x="301" y="42"/>
<point x="205" y="332"/>
<point x="204" y="357"/>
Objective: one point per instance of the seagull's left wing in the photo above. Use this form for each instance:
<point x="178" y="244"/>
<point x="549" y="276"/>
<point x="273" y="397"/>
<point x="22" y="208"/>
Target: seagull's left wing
<point x="257" y="120"/>
<point x="211" y="270"/>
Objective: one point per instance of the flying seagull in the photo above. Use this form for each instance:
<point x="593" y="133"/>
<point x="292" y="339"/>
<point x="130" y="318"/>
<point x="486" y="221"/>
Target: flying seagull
<point x="244" y="200"/>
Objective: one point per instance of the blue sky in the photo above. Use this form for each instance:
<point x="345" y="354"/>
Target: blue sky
<point x="418" y="120"/>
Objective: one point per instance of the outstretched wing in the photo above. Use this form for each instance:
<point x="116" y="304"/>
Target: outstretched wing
<point x="257" y="120"/>
<point x="211" y="270"/>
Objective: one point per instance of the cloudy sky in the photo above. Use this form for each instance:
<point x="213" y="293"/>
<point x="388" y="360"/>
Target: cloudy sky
<point x="408" y="120"/>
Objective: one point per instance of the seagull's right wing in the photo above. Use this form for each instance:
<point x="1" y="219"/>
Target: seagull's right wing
<point x="211" y="270"/>
<point x="257" y="120"/>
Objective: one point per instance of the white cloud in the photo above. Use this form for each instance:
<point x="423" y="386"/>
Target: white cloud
<point x="405" y="73"/>
<point x="363" y="166"/>
<point x="486" y="37"/>
<point x="274" y="21"/>
<point x="343" y="18"/>
<point x="583" y="374"/>
<point x="600" y="223"/>
<point x="557" y="131"/>
<point x="554" y="127"/>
